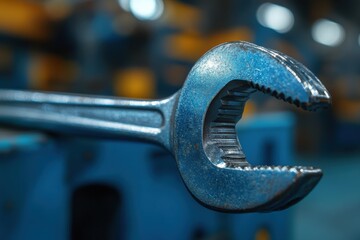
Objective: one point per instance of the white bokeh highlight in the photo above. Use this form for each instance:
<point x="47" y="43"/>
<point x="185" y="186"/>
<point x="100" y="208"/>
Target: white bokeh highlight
<point x="276" y="17"/>
<point x="328" y="33"/>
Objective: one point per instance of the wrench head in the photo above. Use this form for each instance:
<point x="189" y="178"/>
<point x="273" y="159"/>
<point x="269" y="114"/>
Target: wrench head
<point x="208" y="153"/>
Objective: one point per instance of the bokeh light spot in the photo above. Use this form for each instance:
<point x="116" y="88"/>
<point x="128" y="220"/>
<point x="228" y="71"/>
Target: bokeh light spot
<point x="328" y="33"/>
<point x="275" y="17"/>
<point x="146" y="9"/>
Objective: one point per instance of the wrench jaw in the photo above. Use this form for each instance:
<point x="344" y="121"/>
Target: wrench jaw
<point x="303" y="88"/>
<point x="217" y="173"/>
<point x="256" y="189"/>
<point x="305" y="181"/>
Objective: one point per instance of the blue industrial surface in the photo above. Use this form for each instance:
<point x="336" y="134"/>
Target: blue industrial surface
<point x="46" y="189"/>
<point x="22" y="170"/>
<point x="268" y="139"/>
<point x="331" y="211"/>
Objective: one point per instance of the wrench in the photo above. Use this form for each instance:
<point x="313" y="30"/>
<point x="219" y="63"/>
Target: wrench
<point x="196" y="124"/>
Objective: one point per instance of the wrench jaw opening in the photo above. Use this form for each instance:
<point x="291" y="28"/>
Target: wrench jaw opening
<point x="223" y="149"/>
<point x="217" y="173"/>
<point x="220" y="141"/>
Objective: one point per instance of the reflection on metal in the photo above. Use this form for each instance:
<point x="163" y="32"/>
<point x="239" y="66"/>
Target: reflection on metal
<point x="328" y="33"/>
<point x="196" y="124"/>
<point x="275" y="17"/>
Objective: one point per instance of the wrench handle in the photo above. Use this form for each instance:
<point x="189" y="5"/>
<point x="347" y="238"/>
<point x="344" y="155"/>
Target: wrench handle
<point x="91" y="116"/>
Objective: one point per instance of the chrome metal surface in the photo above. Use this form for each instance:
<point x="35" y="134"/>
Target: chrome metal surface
<point x="82" y="115"/>
<point x="197" y="124"/>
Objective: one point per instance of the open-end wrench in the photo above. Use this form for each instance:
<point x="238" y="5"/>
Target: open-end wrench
<point x="196" y="124"/>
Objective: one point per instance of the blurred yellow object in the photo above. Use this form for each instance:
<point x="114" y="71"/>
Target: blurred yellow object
<point x="262" y="234"/>
<point x="50" y="72"/>
<point x="24" y="19"/>
<point x="181" y="16"/>
<point x="249" y="109"/>
<point x="135" y="83"/>
<point x="185" y="46"/>
<point x="58" y="9"/>
<point x="348" y="110"/>
<point x="190" y="46"/>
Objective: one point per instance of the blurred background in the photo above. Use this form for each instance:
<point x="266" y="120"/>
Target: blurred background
<point x="53" y="187"/>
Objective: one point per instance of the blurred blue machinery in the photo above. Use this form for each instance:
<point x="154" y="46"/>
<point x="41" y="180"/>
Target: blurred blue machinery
<point x="61" y="188"/>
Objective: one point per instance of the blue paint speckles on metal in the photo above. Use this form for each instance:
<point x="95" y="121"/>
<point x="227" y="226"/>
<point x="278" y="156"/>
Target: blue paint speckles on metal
<point x="235" y="185"/>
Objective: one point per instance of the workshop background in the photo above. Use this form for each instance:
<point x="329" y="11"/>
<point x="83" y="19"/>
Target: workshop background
<point x="53" y="187"/>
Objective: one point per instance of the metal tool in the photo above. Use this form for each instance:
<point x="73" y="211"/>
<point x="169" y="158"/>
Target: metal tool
<point x="196" y="124"/>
